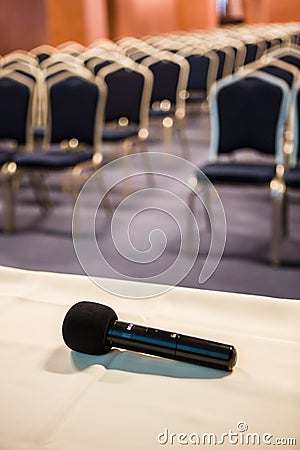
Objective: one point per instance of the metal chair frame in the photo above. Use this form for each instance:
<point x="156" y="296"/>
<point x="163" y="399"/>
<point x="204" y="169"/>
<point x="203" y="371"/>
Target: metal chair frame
<point x="281" y="139"/>
<point x="279" y="189"/>
<point x="170" y="119"/>
<point x="78" y="172"/>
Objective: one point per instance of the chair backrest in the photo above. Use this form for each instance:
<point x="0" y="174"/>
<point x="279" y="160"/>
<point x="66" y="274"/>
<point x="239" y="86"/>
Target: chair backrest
<point x="24" y="68"/>
<point x="281" y="69"/>
<point x="276" y="67"/>
<point x="138" y="55"/>
<point x="18" y="56"/>
<point x="291" y="59"/>
<point x="61" y="67"/>
<point x="203" y="69"/>
<point x="295" y="38"/>
<point x="58" y="58"/>
<point x="136" y="49"/>
<point x="71" y="47"/>
<point x="75" y="110"/>
<point x="16" y="94"/>
<point x="226" y="58"/>
<point x="290" y="55"/>
<point x="43" y="52"/>
<point x="295" y="125"/>
<point x="254" y="51"/>
<point x="35" y="75"/>
<point x="128" y="93"/>
<point x="239" y="50"/>
<point x="249" y="112"/>
<point x="96" y="63"/>
<point x="170" y="78"/>
<point x="273" y="42"/>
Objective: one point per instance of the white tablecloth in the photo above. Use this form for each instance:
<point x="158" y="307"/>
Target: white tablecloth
<point x="55" y="399"/>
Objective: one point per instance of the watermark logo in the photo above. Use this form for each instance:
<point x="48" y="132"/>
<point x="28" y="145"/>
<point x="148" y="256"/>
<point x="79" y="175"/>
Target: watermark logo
<point x="175" y="185"/>
<point x="241" y="437"/>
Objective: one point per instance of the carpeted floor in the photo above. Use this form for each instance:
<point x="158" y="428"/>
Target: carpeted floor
<point x="44" y="241"/>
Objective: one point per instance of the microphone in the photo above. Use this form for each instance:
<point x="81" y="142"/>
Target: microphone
<point x="92" y="328"/>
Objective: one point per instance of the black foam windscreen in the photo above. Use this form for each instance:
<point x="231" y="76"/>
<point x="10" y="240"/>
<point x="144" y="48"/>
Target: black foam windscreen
<point x="85" y="327"/>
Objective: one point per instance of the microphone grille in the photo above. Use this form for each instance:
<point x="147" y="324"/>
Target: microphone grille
<point x="85" y="327"/>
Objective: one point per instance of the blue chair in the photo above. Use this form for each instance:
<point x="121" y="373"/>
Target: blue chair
<point x="239" y="52"/>
<point x="72" y="48"/>
<point x="126" y="112"/>
<point x="42" y="52"/>
<point x="248" y="113"/>
<point x="49" y="72"/>
<point x="275" y="67"/>
<point x="226" y="56"/>
<point x="291" y="59"/>
<point x="126" y="116"/>
<point x="72" y="141"/>
<point x="290" y="55"/>
<point x="18" y="56"/>
<point x="35" y="74"/>
<point x="286" y="180"/>
<point x="202" y="74"/>
<point x="97" y="63"/>
<point x="281" y="69"/>
<point x="254" y="51"/>
<point x="168" y="98"/>
<point x="136" y="49"/>
<point x="16" y="98"/>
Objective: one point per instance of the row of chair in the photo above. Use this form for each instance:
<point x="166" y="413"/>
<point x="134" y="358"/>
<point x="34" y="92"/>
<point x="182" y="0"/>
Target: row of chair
<point x="67" y="126"/>
<point x="128" y="89"/>
<point x="258" y="109"/>
<point x="210" y="56"/>
<point x="77" y="107"/>
<point x="180" y="78"/>
<point x="168" y="72"/>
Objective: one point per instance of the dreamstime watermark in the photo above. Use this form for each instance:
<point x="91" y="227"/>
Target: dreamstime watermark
<point x="174" y="187"/>
<point x="241" y="437"/>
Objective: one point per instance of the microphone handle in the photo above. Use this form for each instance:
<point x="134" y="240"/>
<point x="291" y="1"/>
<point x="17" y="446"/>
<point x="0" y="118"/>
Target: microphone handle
<point x="171" y="345"/>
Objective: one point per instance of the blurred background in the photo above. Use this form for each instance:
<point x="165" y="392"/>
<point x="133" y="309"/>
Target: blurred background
<point x="26" y="24"/>
<point x="43" y="241"/>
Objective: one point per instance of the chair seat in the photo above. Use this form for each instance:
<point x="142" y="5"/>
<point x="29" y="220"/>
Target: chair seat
<point x="119" y="134"/>
<point x="52" y="159"/>
<point x="241" y="173"/>
<point x="292" y="178"/>
<point x="5" y="156"/>
<point x="196" y="97"/>
<point x="160" y="113"/>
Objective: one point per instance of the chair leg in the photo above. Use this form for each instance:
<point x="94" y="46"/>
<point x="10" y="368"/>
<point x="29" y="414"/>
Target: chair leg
<point x="180" y="127"/>
<point x="279" y="213"/>
<point x="205" y="195"/>
<point x="285" y="220"/>
<point x="66" y="182"/>
<point x="189" y="227"/>
<point x="167" y="124"/>
<point x="76" y="182"/>
<point x="127" y="146"/>
<point x="8" y="188"/>
<point x="206" y="203"/>
<point x="39" y="186"/>
<point x="75" y="187"/>
<point x="106" y="200"/>
<point x="277" y="228"/>
<point x="150" y="177"/>
<point x="206" y="207"/>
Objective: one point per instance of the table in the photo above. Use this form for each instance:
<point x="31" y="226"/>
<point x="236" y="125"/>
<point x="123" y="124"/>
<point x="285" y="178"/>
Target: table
<point x="55" y="399"/>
